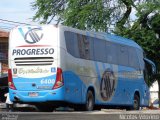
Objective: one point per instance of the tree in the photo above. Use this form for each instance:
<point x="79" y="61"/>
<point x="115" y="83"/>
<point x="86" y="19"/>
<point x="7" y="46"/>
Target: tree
<point x="47" y="10"/>
<point x="97" y="15"/>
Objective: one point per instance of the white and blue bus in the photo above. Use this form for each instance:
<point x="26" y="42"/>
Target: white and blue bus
<point x="52" y="66"/>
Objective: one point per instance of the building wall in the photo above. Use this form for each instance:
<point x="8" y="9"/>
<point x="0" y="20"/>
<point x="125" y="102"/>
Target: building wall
<point x="4" y="50"/>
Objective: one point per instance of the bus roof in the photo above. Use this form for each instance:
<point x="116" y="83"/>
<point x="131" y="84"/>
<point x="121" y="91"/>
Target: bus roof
<point x="120" y="40"/>
<point x="106" y="36"/>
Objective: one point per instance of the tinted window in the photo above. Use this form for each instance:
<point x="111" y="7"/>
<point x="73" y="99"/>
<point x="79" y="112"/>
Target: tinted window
<point x="91" y="47"/>
<point x="71" y="43"/>
<point x="133" y="58"/>
<point x="86" y="47"/>
<point x="111" y="53"/>
<point x="123" y="55"/>
<point x="99" y="50"/>
<point x="83" y="45"/>
<point x="78" y="45"/>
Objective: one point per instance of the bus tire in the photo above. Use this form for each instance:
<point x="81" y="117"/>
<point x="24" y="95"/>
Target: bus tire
<point x="89" y="101"/>
<point x="136" y="102"/>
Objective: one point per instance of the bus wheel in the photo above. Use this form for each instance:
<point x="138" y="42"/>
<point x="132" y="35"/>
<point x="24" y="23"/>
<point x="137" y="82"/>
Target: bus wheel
<point x="136" y="102"/>
<point x="89" y="101"/>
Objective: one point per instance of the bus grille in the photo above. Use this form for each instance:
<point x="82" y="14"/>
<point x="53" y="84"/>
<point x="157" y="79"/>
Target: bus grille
<point x="32" y="61"/>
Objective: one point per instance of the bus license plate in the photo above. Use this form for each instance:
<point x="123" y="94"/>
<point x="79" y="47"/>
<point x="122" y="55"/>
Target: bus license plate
<point x="33" y="94"/>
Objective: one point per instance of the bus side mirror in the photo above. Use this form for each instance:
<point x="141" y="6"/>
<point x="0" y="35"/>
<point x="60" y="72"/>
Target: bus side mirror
<point x="153" y="66"/>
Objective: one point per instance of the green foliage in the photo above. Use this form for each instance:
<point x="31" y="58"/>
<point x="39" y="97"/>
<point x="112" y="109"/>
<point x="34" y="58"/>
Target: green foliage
<point x="96" y="15"/>
<point x="87" y="15"/>
<point x="48" y="9"/>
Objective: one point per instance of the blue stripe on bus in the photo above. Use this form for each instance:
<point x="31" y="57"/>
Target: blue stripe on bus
<point x="21" y="31"/>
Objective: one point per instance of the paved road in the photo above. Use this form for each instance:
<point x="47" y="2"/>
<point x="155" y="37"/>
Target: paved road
<point x="25" y="112"/>
<point x="95" y="115"/>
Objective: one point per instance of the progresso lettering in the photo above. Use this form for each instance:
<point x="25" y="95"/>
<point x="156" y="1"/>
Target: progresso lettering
<point x="39" y="51"/>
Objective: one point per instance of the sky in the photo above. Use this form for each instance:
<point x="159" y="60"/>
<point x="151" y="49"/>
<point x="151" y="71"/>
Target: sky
<point x="15" y="10"/>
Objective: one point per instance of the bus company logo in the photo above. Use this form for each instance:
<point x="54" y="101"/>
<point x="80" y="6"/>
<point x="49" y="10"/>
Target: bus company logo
<point x="33" y="35"/>
<point x="107" y="85"/>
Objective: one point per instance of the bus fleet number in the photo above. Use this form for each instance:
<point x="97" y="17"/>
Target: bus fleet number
<point x="47" y="81"/>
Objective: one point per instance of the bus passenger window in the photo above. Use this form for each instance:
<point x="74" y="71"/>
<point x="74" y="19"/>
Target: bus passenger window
<point x="99" y="50"/>
<point x="111" y="52"/>
<point x="83" y="45"/>
<point x="71" y="43"/>
<point x="134" y="59"/>
<point x="123" y="55"/>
